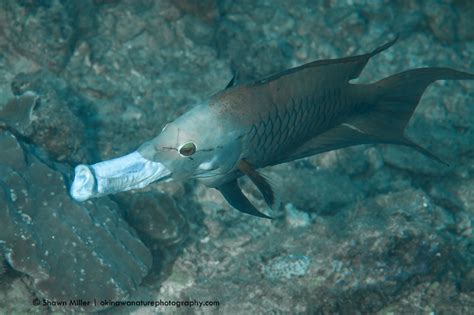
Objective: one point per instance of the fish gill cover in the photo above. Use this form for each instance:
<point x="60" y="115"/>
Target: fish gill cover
<point x="367" y="228"/>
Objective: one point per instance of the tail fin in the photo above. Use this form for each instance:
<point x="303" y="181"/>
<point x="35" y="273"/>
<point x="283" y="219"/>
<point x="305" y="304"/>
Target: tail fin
<point x="396" y="99"/>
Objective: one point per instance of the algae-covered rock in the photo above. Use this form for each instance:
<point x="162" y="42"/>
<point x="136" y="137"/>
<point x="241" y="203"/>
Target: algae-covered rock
<point x="358" y="260"/>
<point x="56" y="20"/>
<point x="51" y="115"/>
<point x="69" y="250"/>
<point x="41" y="121"/>
<point x="157" y="216"/>
<point x="287" y="267"/>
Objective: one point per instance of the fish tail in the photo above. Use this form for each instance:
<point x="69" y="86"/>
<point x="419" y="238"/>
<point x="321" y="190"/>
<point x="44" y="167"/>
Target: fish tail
<point x="396" y="98"/>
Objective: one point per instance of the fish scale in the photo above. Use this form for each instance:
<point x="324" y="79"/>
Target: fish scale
<point x="302" y="118"/>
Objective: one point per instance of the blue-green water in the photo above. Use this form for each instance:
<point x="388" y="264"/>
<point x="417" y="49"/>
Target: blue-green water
<point x="368" y="229"/>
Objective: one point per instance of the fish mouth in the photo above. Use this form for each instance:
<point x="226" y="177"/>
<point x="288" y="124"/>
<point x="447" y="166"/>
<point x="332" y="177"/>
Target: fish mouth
<point x="210" y="174"/>
<point x="217" y="171"/>
<point x="128" y="172"/>
<point x="207" y="175"/>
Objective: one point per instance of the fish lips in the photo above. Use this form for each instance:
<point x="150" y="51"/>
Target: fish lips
<point x="128" y="172"/>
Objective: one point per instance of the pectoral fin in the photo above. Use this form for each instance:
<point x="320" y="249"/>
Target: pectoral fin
<point x="261" y="182"/>
<point x="234" y="196"/>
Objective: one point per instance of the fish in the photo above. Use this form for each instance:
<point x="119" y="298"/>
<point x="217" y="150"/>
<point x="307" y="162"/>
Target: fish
<point x="294" y="114"/>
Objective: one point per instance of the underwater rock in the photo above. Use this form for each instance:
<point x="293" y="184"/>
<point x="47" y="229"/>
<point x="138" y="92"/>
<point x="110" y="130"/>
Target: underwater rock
<point x="465" y="24"/>
<point x="206" y="10"/>
<point x="304" y="190"/>
<point x="130" y="70"/>
<point x="49" y="36"/>
<point x="287" y="267"/>
<point x="48" y="124"/>
<point x="442" y="19"/>
<point x="359" y="260"/>
<point x="70" y="250"/>
<point x="45" y="112"/>
<point x="157" y="216"/>
<point x="18" y="113"/>
<point x="295" y="217"/>
<point x="16" y="297"/>
<point x="3" y="266"/>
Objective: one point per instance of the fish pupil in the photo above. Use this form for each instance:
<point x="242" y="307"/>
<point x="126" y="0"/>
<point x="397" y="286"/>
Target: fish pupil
<point x="188" y="149"/>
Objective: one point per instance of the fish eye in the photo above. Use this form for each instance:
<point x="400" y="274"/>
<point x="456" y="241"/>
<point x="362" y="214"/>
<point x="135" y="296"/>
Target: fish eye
<point x="187" y="149"/>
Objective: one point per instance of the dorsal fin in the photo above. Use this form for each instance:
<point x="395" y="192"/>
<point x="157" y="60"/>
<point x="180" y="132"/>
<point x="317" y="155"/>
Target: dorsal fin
<point x="232" y="81"/>
<point x="234" y="196"/>
<point x="341" y="69"/>
<point x="386" y="118"/>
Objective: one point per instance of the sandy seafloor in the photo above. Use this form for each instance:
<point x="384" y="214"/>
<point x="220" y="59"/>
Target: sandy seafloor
<point x="367" y="229"/>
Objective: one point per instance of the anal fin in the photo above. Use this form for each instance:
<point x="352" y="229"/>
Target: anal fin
<point x="234" y="196"/>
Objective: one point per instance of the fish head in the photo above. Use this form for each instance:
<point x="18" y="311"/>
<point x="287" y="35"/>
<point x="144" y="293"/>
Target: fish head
<point x="197" y="145"/>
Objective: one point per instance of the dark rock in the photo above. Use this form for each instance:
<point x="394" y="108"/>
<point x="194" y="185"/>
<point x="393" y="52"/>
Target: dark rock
<point x="70" y="250"/>
<point x="142" y="77"/>
<point x="49" y="36"/>
<point x="206" y="10"/>
<point x="359" y="260"/>
<point x="3" y="263"/>
<point x="465" y="25"/>
<point x="49" y="114"/>
<point x="19" y="113"/>
<point x="157" y="216"/>
<point x="442" y="19"/>
<point x="318" y="191"/>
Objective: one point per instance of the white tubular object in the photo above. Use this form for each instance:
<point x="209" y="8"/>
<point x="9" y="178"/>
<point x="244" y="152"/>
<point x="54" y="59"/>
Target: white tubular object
<point x="131" y="171"/>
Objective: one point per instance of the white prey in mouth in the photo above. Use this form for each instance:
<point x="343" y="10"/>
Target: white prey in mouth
<point x="128" y="172"/>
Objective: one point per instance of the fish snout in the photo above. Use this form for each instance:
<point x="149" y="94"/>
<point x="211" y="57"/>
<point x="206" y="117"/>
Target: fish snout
<point x="128" y="172"/>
